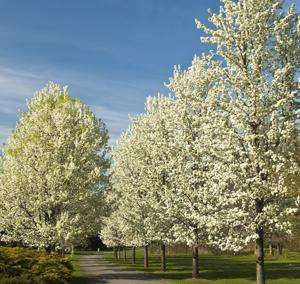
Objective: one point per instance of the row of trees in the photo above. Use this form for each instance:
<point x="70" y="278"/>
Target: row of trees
<point x="216" y="162"/>
<point x="54" y="173"/>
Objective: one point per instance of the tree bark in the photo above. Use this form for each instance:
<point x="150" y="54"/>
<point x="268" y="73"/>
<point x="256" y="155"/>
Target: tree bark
<point x="133" y="256"/>
<point x="279" y="248"/>
<point x="195" y="273"/>
<point x="115" y="253"/>
<point x="271" y="249"/>
<point x="119" y="253"/>
<point x="62" y="252"/>
<point x="163" y="264"/>
<point x="260" y="256"/>
<point x="146" y="257"/>
<point x="50" y="248"/>
<point x="125" y="256"/>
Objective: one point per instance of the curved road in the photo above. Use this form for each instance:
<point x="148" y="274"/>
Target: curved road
<point x="100" y="271"/>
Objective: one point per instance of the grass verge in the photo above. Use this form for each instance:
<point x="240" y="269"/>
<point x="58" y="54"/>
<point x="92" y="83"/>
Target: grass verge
<point x="214" y="269"/>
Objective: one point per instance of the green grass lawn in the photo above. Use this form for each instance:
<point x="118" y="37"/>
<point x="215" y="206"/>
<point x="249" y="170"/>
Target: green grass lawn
<point x="219" y="269"/>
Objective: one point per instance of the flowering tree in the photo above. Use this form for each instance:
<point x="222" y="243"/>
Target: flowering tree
<point x="128" y="189"/>
<point x="258" y="91"/>
<point x="163" y="172"/>
<point x="55" y="165"/>
<point x="156" y="129"/>
<point x="196" y="195"/>
<point x="113" y="233"/>
<point x="139" y="178"/>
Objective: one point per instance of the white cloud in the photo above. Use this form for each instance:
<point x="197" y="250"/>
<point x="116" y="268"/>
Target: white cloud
<point x="17" y="84"/>
<point x="111" y="100"/>
<point x="10" y="107"/>
<point x="4" y="133"/>
<point x="113" y="118"/>
<point x="116" y="121"/>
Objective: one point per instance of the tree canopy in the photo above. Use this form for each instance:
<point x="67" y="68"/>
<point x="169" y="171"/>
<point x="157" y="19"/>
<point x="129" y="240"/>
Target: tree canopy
<point x="54" y="172"/>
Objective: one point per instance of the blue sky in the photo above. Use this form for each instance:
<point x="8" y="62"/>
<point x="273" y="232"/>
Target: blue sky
<point x="111" y="53"/>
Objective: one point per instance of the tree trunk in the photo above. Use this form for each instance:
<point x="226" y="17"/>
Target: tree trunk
<point x="50" y="248"/>
<point x="125" y="256"/>
<point x="163" y="264"/>
<point x="195" y="262"/>
<point x="133" y="255"/>
<point x="271" y="249"/>
<point x="115" y="253"/>
<point x="119" y="253"/>
<point x="279" y="248"/>
<point x="62" y="252"/>
<point x="260" y="256"/>
<point x="146" y="257"/>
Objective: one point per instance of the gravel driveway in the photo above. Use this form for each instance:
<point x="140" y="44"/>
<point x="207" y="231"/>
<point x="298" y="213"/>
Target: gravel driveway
<point x="100" y="271"/>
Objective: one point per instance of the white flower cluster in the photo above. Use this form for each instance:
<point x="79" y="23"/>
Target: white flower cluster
<point x="53" y="163"/>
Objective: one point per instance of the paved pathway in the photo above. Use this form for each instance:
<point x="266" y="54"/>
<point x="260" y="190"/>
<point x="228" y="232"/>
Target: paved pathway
<point x="101" y="271"/>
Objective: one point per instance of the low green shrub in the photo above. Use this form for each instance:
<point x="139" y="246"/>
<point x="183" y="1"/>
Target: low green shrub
<point x="22" y="265"/>
<point x="52" y="267"/>
<point x="50" y="278"/>
<point x="22" y="279"/>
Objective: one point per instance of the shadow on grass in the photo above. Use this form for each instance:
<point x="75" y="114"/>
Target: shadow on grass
<point x="86" y="252"/>
<point x="81" y="280"/>
<point x="218" y="267"/>
<point x="87" y="280"/>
